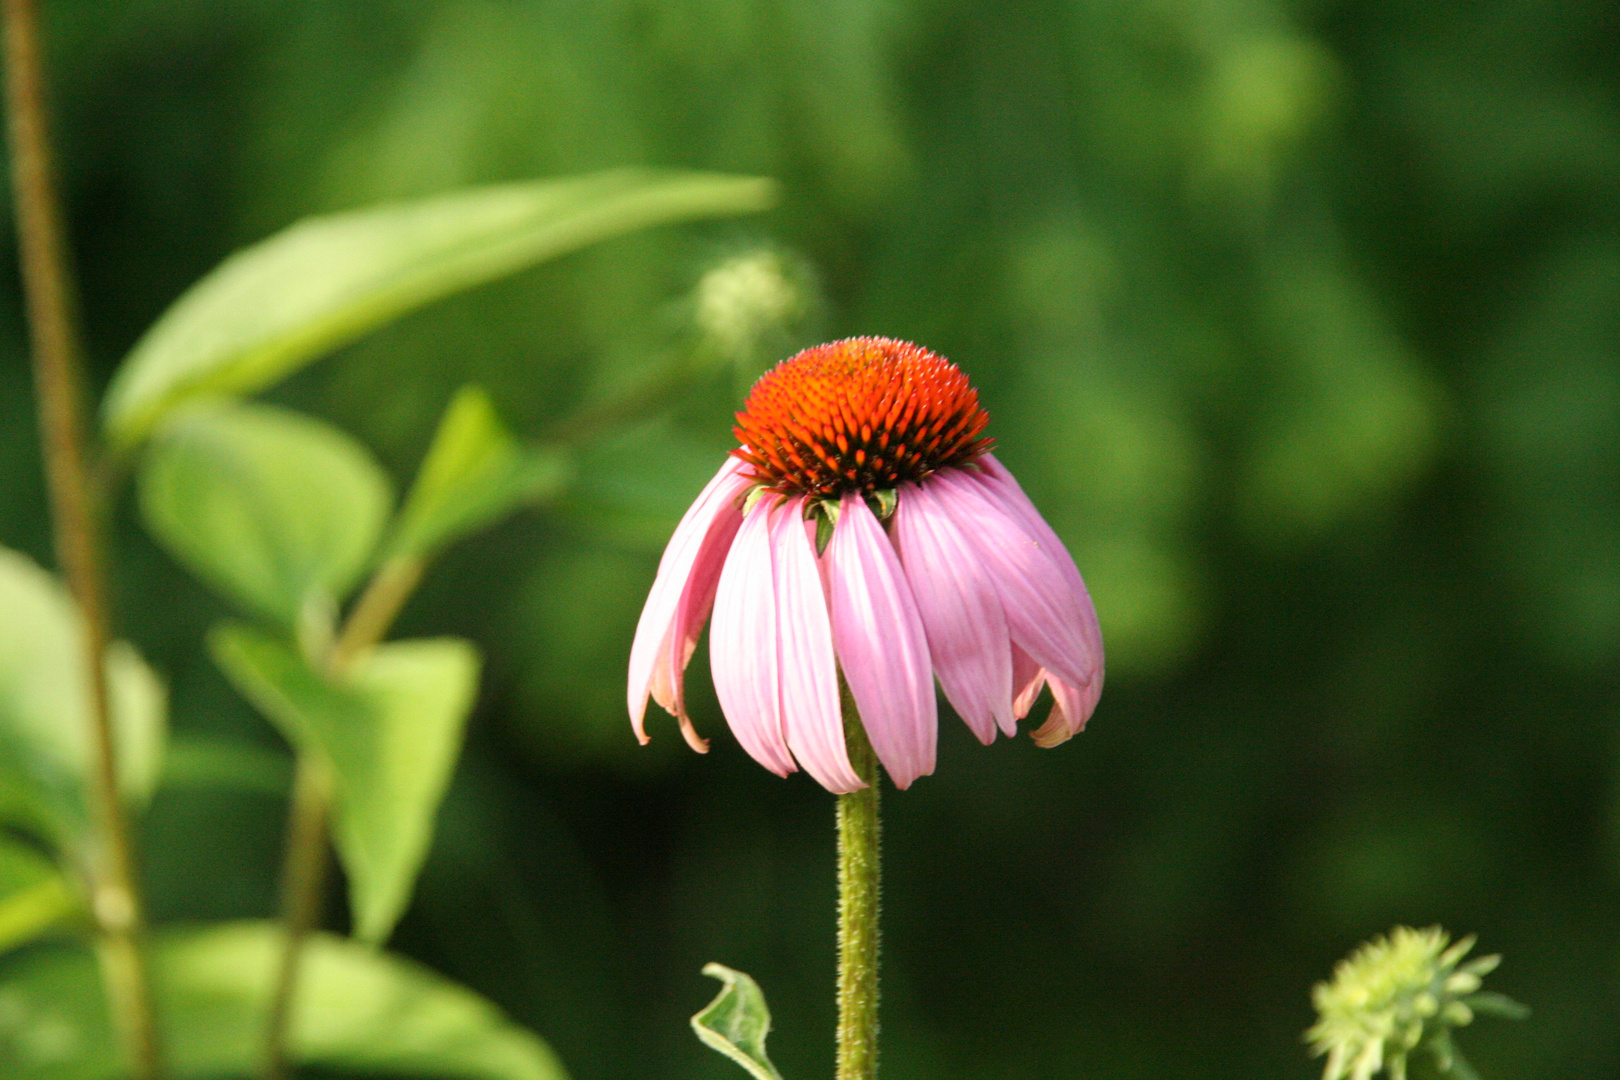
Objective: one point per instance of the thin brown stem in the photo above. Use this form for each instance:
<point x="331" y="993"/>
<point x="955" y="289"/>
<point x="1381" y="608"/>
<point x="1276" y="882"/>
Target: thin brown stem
<point x="379" y="605"/>
<point x="75" y="524"/>
<point x="304" y="869"/>
<point x="304" y="873"/>
<point x="302" y="888"/>
<point x="657" y="391"/>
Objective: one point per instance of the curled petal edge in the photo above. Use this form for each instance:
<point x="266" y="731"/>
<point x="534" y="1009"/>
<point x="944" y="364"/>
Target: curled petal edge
<point x="680" y="599"/>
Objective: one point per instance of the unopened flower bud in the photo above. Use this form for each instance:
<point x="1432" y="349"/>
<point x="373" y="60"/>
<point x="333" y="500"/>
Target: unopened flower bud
<point x="1393" y="995"/>
<point x="745" y="302"/>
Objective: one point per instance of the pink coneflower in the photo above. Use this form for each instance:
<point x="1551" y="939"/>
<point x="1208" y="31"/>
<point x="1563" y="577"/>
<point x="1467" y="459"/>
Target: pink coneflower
<point x="863" y="525"/>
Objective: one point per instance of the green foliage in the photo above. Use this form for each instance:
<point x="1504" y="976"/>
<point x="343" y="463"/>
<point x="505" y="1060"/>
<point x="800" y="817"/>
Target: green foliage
<point x="737" y="1021"/>
<point x="360" y="1011"/>
<point x="323" y="282"/>
<point x="34" y="896"/>
<point x="391" y="729"/>
<point x="1297" y="321"/>
<point x="276" y="510"/>
<point x="474" y="473"/>
<point x="45" y="764"/>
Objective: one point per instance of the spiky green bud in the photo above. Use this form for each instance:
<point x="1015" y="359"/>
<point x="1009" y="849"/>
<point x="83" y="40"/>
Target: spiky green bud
<point x="1395" y="994"/>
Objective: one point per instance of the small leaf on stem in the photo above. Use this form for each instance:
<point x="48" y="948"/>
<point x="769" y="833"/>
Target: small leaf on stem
<point x="737" y="1021"/>
<point x="391" y="729"/>
<point x="474" y="473"/>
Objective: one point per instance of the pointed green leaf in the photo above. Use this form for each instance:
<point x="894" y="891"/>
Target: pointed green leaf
<point x="34" y="896"/>
<point x="273" y="307"/>
<point x="357" y="1010"/>
<point x="887" y="500"/>
<point x="737" y="1021"/>
<point x="391" y="729"/>
<point x="45" y="754"/>
<point x="474" y="473"/>
<point x="824" y="531"/>
<point x="277" y="510"/>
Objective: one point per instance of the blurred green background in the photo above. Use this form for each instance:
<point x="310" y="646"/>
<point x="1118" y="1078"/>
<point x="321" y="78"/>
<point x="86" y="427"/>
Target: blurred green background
<point x="1300" y="322"/>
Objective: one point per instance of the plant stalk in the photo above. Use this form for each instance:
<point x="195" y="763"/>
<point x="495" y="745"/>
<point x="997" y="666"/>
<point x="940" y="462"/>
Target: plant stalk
<point x="48" y="293"/>
<point x="304" y="871"/>
<point x="303" y="880"/>
<point x="859" y="866"/>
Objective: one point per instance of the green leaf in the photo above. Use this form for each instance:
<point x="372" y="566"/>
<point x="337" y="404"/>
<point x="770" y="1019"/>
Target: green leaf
<point x="197" y="761"/>
<point x="391" y="729"/>
<point x="273" y="307"/>
<point x="45" y="751"/>
<point x="474" y="473"/>
<point x="736" y="1022"/>
<point x="357" y="1010"/>
<point x="887" y="499"/>
<point x="34" y="896"/>
<point x="277" y="510"/>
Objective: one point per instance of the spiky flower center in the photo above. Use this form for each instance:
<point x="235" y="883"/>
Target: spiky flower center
<point x="863" y="414"/>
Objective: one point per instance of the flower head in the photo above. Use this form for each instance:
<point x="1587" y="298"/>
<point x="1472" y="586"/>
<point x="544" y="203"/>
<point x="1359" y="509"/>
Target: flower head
<point x="1394" y="994"/>
<point x="863" y="527"/>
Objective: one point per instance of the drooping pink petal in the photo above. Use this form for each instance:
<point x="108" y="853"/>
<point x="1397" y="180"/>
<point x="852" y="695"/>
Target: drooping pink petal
<point x="881" y="644"/>
<point x="1028" y="678"/>
<point x="743" y="644"/>
<point x="1001" y="482"/>
<point x="961" y="614"/>
<point x="812" y="721"/>
<point x="1043" y="613"/>
<point x="680" y="598"/>
<point x="1071" y="708"/>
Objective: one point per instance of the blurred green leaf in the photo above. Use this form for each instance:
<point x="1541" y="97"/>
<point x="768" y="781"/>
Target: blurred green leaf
<point x="33" y="894"/>
<point x="45" y="756"/>
<point x="474" y="473"/>
<point x="277" y="510"/>
<point x="391" y="729"/>
<point x="201" y="761"/>
<point x="275" y="306"/>
<point x="358" y="1010"/>
<point x="737" y="1021"/>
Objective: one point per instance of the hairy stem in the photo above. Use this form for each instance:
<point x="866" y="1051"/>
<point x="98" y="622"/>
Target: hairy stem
<point x="858" y="903"/>
<point x="304" y="871"/>
<point x="75" y="525"/>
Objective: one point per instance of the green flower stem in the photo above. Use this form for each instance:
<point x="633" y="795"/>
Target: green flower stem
<point x="304" y="871"/>
<point x="859" y="866"/>
<point x="48" y="290"/>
